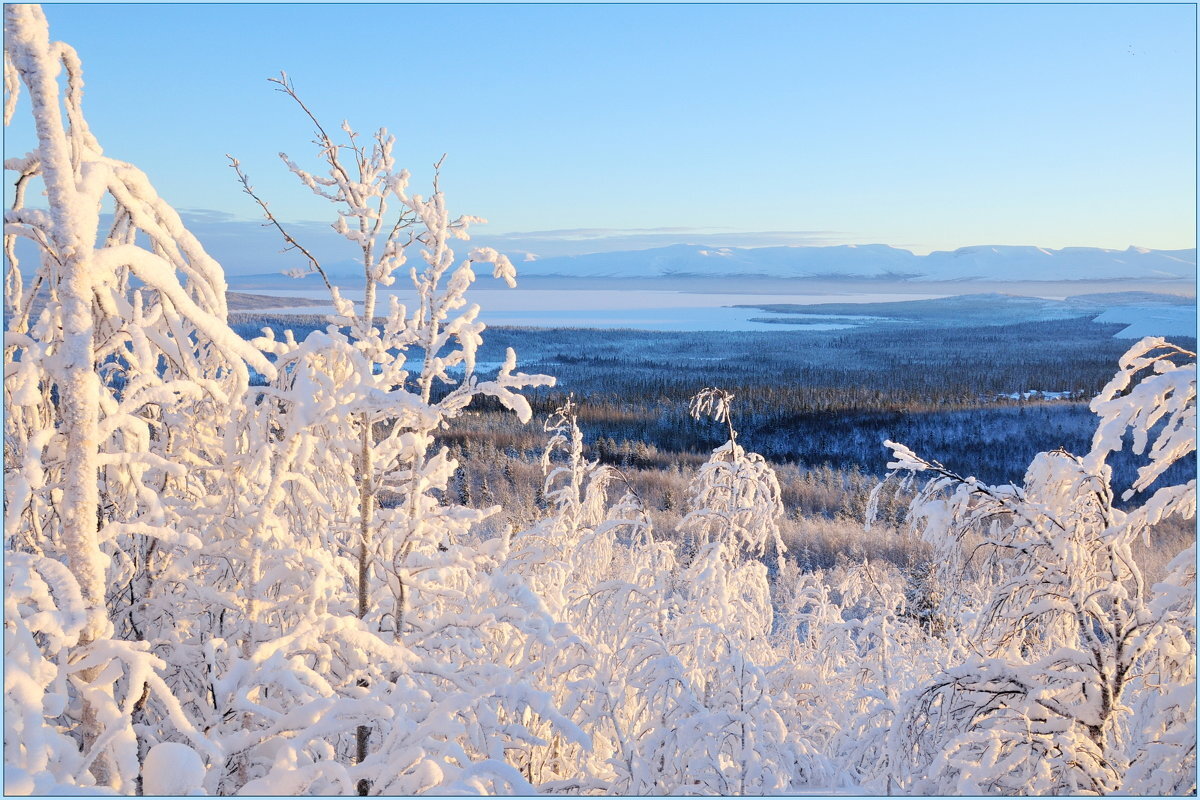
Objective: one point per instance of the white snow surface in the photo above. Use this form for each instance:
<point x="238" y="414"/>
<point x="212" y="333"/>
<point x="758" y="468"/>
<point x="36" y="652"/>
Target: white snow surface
<point x="1156" y="320"/>
<point x="172" y="769"/>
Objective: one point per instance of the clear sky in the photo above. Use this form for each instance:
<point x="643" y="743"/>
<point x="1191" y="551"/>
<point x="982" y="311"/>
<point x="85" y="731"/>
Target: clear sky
<point x="921" y="126"/>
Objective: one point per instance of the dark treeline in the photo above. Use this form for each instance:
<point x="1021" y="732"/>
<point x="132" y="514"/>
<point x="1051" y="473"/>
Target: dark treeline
<point x="868" y="368"/>
<point x="809" y="398"/>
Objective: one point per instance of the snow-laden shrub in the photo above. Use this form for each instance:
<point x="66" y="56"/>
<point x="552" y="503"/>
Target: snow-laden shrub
<point x="1069" y="655"/>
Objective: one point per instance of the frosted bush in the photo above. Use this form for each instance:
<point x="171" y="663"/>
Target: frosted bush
<point x="1064" y="634"/>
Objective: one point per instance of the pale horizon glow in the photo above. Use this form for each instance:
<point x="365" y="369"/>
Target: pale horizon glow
<point x="924" y="127"/>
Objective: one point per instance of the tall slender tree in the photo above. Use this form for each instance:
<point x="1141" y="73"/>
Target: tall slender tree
<point x="99" y="378"/>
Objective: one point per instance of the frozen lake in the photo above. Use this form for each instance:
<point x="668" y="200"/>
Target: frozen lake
<point x="641" y="309"/>
<point x="1152" y="320"/>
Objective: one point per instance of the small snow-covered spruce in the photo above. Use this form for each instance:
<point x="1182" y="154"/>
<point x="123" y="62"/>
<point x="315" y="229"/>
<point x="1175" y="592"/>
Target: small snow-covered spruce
<point x="1069" y="646"/>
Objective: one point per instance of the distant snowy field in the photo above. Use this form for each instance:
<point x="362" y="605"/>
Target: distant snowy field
<point x="1152" y="320"/>
<point x="640" y="310"/>
<point x="694" y="311"/>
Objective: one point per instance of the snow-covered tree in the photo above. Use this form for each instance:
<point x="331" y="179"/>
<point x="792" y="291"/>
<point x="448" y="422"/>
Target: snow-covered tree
<point x="564" y="554"/>
<point x="389" y="412"/>
<point x="120" y="373"/>
<point x="614" y="585"/>
<point x="737" y="741"/>
<point x="735" y="499"/>
<point x="1065" y="634"/>
<point x="381" y="388"/>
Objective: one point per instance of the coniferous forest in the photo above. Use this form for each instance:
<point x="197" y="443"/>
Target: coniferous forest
<point x="349" y="555"/>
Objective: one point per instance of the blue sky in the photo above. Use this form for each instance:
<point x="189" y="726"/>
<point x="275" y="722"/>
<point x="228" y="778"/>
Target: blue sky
<point x="582" y="128"/>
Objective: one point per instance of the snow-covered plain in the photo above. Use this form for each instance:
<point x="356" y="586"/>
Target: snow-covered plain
<point x="640" y="309"/>
<point x="665" y="310"/>
<point x="1152" y="320"/>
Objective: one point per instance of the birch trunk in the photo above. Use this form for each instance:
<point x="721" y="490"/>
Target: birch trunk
<point x="75" y="222"/>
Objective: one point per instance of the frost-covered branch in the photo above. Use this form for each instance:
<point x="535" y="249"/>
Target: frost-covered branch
<point x="1060" y="607"/>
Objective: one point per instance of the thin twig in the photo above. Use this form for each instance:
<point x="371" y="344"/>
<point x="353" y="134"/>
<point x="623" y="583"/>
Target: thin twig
<point x="285" y="86"/>
<point x="292" y="243"/>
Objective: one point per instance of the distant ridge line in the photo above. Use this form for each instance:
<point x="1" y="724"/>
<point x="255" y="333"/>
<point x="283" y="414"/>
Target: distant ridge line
<point x="977" y="262"/>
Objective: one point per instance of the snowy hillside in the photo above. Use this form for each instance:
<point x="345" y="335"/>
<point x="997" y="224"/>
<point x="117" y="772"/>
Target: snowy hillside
<point x="876" y="260"/>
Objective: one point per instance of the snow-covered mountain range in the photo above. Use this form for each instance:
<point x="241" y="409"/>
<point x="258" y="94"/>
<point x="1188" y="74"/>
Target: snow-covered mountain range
<point x="1000" y="262"/>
